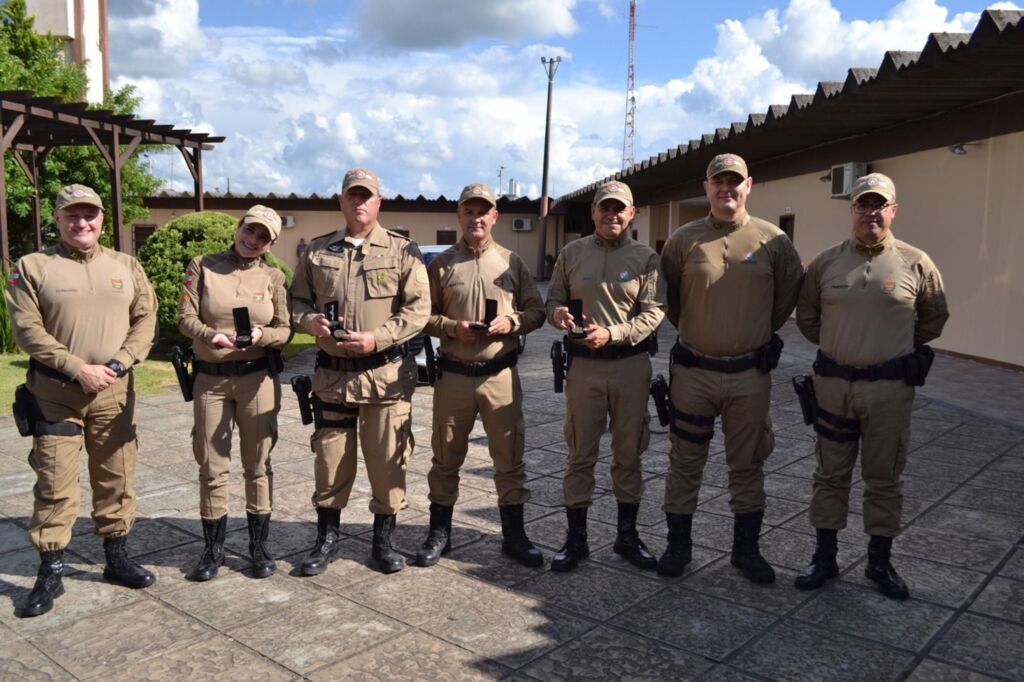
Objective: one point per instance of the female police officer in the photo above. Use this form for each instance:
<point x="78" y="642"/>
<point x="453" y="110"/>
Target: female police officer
<point x="234" y="307"/>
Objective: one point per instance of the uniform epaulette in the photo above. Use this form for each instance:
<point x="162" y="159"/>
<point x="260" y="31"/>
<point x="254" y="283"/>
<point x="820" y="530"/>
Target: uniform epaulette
<point x="396" y="234"/>
<point x="322" y="236"/>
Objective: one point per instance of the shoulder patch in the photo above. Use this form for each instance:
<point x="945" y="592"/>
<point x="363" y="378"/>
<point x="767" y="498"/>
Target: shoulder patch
<point x="14" y="277"/>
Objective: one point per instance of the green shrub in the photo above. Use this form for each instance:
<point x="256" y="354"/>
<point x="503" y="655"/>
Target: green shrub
<point x="167" y="253"/>
<point x="7" y="344"/>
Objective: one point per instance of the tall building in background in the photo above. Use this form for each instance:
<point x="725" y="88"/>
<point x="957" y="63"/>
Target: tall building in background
<point x="82" y="25"/>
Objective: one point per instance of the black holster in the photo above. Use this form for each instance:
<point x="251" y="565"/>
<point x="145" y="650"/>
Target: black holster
<point x="558" y="365"/>
<point x="303" y="386"/>
<point x="803" y="385"/>
<point x="181" y="360"/>
<point x="768" y="355"/>
<point x="30" y="420"/>
<point x="275" y="362"/>
<point x="662" y="399"/>
<point x="917" y="365"/>
<point x="433" y="367"/>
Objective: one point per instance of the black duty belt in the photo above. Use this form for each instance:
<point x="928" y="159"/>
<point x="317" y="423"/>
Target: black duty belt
<point x="480" y="369"/>
<point x="47" y="371"/>
<point x="824" y="366"/>
<point x="231" y="368"/>
<point x="682" y="355"/>
<point x="606" y="352"/>
<point x="361" y="364"/>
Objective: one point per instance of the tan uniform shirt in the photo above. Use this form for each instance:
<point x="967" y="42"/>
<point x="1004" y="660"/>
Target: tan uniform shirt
<point x="70" y="309"/>
<point x="865" y="306"/>
<point x="618" y="282"/>
<point x="381" y="287"/>
<point x="730" y="284"/>
<point x="214" y="285"/>
<point x="461" y="279"/>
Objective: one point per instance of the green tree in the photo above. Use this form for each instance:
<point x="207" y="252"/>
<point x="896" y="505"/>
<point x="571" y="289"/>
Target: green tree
<point x="30" y="61"/>
<point x="169" y="250"/>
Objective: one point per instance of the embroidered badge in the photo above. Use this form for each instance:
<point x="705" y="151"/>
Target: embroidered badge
<point x="888" y="286"/>
<point x="625" y="276"/>
<point x="336" y="248"/>
<point x="259" y="297"/>
<point x="117" y="282"/>
<point x="14" y="276"/>
<point x="382" y="276"/>
<point x="748" y="257"/>
<point x="184" y="296"/>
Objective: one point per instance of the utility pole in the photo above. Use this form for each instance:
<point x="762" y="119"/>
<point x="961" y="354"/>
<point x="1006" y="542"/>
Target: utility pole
<point x="550" y="66"/>
<point x="628" y="140"/>
<point x="501" y="171"/>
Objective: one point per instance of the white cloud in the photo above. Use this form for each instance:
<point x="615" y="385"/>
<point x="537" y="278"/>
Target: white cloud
<point x="413" y="25"/>
<point x="298" y="111"/>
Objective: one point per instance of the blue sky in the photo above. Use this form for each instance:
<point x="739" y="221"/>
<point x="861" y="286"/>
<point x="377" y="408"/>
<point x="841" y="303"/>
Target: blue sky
<point x="434" y="94"/>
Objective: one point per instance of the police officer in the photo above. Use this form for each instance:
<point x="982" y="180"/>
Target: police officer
<point x="364" y="378"/>
<point x="732" y="280"/>
<point x="85" y="315"/>
<point x="870" y="303"/>
<point x="236" y="380"/>
<point x="623" y="302"/>
<point x="478" y="372"/>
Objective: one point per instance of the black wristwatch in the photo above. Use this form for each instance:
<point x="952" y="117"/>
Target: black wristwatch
<point x="119" y="369"/>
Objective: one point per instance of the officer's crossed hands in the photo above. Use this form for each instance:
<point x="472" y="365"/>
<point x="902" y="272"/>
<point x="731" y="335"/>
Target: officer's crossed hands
<point x="596" y="335"/>
<point x="95" y="378"/>
<point x="229" y="340"/>
<point x="469" y="331"/>
<point x="361" y="343"/>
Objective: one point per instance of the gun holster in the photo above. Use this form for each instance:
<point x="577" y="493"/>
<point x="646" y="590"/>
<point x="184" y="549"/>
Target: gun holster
<point x="30" y="420"/>
<point x="558" y="365"/>
<point x="803" y="385"/>
<point x="275" y="362"/>
<point x="768" y="355"/>
<point x="662" y="399"/>
<point x="182" y="362"/>
<point x="433" y="366"/>
<point x="303" y="386"/>
<point x="917" y="365"/>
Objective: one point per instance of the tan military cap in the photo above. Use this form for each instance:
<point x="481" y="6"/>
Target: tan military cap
<point x="77" y="194"/>
<point x="361" y="177"/>
<point x="267" y="217"/>
<point x="727" y="163"/>
<point x="477" y="190"/>
<point x="614" y="190"/>
<point x="874" y="183"/>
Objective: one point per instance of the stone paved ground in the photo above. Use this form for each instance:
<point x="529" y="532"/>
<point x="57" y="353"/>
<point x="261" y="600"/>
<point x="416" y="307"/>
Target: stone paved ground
<point x="477" y="616"/>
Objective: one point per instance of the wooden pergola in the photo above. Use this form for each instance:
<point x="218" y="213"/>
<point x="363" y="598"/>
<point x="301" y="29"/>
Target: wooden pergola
<point x="31" y="127"/>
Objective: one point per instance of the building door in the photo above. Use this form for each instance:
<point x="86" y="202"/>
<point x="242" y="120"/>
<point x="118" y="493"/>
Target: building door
<point x="786" y="224"/>
<point x="140" y="233"/>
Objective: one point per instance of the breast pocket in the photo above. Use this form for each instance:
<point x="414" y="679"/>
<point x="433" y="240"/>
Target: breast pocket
<point x="327" y="273"/>
<point x="381" y="276"/>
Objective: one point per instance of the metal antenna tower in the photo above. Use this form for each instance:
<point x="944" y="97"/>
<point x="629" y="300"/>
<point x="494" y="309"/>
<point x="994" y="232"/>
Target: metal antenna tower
<point x="628" y="139"/>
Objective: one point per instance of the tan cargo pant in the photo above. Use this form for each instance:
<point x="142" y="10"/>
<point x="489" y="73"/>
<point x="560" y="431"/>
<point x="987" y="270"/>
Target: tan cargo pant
<point x="742" y="400"/>
<point x="594" y="391"/>
<point x="385" y="433"/>
<point x="883" y="409"/>
<point x="108" y="421"/>
<point x="251" y="401"/>
<point x="498" y="399"/>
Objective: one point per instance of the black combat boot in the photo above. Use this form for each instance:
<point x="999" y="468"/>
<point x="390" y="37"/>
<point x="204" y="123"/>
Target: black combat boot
<point x="328" y="533"/>
<point x="48" y="585"/>
<point x="122" y="570"/>
<point x="880" y="571"/>
<point x="439" y="537"/>
<point x="680" y="547"/>
<point x="746" y="555"/>
<point x="213" y="553"/>
<point x="575" y="548"/>
<point x="823" y="564"/>
<point x="384" y="555"/>
<point x="263" y="564"/>
<point x="514" y="541"/>
<point x="627" y="541"/>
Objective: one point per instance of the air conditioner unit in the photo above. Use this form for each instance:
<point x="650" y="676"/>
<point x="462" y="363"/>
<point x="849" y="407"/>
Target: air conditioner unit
<point x="844" y="175"/>
<point x="287" y="221"/>
<point x="522" y="224"/>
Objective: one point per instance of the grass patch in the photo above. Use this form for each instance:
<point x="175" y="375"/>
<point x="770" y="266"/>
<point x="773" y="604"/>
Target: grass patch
<point x="152" y="376"/>
<point x="299" y="343"/>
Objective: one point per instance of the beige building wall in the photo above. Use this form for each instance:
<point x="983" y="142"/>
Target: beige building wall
<point x="966" y="212"/>
<point x="423" y="229"/>
<point x="58" y="18"/>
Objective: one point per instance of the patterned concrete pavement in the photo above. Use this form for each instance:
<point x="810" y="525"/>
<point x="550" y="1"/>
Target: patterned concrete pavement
<point x="478" y="616"/>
